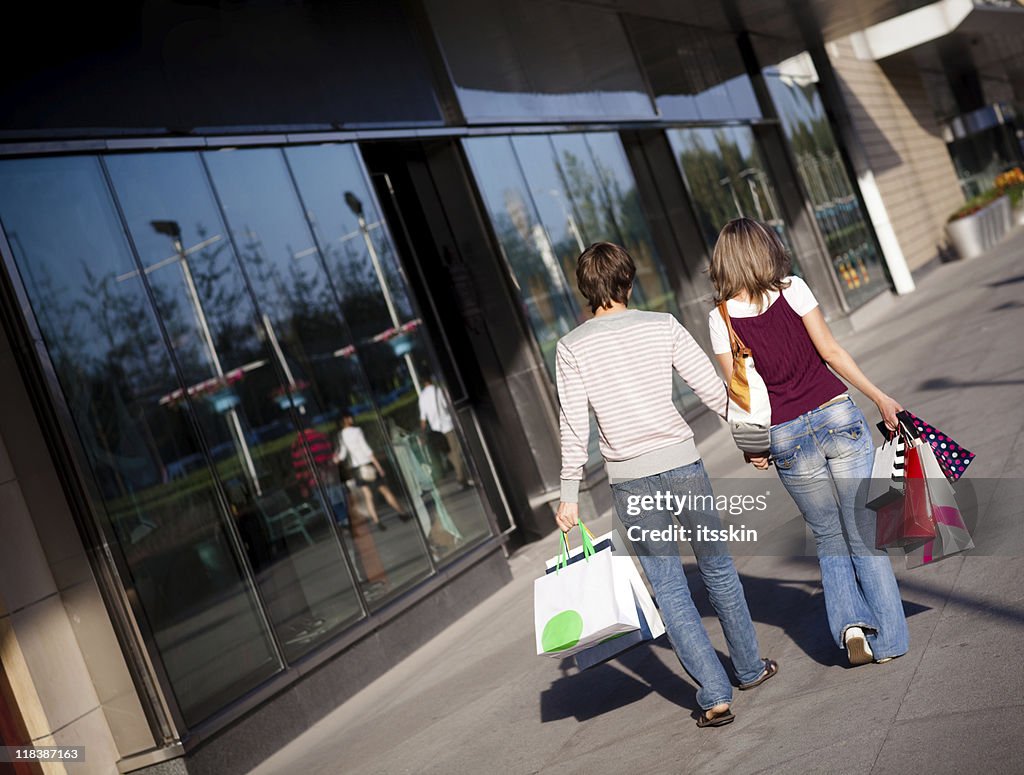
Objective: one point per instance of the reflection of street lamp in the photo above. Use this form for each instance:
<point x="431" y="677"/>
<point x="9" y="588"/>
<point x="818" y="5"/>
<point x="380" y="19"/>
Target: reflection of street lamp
<point x="750" y="175"/>
<point x="727" y="181"/>
<point x="356" y="206"/>
<point x="173" y="230"/>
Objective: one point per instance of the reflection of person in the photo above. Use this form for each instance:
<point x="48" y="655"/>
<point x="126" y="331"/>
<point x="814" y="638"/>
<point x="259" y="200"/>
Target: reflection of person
<point x="414" y="465"/>
<point x="436" y="417"/>
<point x="820" y="441"/>
<point x="323" y="459"/>
<point x="621" y="362"/>
<point x="369" y="474"/>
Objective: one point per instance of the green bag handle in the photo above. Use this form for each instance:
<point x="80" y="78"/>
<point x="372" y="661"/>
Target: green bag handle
<point x="588" y="542"/>
<point x="588" y="547"/>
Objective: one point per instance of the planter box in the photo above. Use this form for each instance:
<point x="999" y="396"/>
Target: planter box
<point x="973" y="235"/>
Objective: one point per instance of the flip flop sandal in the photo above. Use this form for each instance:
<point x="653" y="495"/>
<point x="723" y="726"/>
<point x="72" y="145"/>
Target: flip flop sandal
<point x="718" y="721"/>
<point x="771" y="667"/>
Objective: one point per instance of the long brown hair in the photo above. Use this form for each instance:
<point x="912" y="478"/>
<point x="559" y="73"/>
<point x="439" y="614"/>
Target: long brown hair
<point x="748" y="258"/>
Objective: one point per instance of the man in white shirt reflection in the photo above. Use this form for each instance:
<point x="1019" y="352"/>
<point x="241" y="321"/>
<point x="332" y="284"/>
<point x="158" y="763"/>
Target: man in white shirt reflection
<point x="436" y="421"/>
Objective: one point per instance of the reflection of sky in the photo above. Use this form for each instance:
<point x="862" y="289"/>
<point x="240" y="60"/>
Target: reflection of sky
<point x="265" y="217"/>
<point x="796" y="105"/>
<point x="497" y="174"/>
<point x="536" y="157"/>
<point x="732" y="99"/>
<point x="607" y="149"/>
<point x="505" y="193"/>
<point x="323" y="175"/>
<point x="526" y="60"/>
<point x="173" y="187"/>
<point x="478" y="104"/>
<point x="60" y="213"/>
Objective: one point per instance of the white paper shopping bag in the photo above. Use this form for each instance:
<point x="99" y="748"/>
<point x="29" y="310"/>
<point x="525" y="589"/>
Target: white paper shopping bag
<point x="581" y="604"/>
<point x="651" y="624"/>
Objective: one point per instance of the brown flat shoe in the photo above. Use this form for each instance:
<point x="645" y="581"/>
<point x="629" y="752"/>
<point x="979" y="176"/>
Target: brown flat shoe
<point x="771" y="667"/>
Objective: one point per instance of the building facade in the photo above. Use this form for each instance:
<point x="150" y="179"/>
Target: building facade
<point x="247" y="248"/>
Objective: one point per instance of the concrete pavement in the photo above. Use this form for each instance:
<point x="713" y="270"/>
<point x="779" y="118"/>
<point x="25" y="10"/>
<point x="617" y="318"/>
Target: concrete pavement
<point x="477" y="698"/>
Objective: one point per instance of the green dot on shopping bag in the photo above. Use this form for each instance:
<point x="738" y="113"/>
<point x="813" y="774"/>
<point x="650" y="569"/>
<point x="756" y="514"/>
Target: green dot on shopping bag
<point x="562" y="631"/>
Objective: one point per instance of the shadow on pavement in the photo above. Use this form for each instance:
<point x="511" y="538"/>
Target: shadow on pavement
<point x="783" y="603"/>
<point x="1019" y="278"/>
<point x="604" y="688"/>
<point x="788" y="605"/>
<point x="945" y="383"/>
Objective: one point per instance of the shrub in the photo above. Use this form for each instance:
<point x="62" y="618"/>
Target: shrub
<point x="972" y="205"/>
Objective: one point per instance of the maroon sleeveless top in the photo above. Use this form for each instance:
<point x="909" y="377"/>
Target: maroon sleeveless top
<point x="796" y="376"/>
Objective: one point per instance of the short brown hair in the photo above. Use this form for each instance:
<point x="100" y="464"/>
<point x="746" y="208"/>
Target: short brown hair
<point x="604" y="274"/>
<point x="749" y="257"/>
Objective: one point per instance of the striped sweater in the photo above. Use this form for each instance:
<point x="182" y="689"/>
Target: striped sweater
<point x="621" y="365"/>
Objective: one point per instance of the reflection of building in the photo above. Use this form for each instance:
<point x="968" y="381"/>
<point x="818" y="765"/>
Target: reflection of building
<point x="195" y="613"/>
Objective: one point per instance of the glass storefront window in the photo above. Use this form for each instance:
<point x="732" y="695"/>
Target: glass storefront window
<point x="840" y="218"/>
<point x="254" y="393"/>
<point x="429" y="457"/>
<point x="727" y="179"/>
<point x="546" y="295"/>
<point x="229" y="369"/>
<point x="549" y="197"/>
<point x="626" y="221"/>
<point x="158" y="494"/>
<point x="325" y="386"/>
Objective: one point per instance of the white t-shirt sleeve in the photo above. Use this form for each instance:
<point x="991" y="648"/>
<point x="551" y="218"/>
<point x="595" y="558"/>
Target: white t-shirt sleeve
<point x="719" y="333"/>
<point x="799" y="296"/>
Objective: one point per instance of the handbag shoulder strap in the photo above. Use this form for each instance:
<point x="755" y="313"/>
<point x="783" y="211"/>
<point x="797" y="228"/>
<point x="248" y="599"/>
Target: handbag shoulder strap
<point x="735" y="343"/>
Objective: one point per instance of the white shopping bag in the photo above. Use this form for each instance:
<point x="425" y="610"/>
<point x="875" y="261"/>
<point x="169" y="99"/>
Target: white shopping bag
<point x="583" y="603"/>
<point x="617" y="644"/>
<point x="886" y="483"/>
<point x="651" y="624"/>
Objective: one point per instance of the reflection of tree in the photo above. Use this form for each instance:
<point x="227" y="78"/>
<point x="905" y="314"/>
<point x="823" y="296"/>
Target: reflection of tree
<point x="726" y="179"/>
<point x="546" y="306"/>
<point x="135" y="358"/>
<point x="606" y="212"/>
<point x="824" y="177"/>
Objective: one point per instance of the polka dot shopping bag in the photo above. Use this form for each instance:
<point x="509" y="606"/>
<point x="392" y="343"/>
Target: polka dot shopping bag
<point x="953" y="459"/>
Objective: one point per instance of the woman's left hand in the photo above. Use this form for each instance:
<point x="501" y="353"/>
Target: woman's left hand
<point x="888" y="407"/>
<point x="760" y="462"/>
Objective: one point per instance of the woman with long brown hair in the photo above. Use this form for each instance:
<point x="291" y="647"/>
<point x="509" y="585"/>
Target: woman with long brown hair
<point x="820" y="441"/>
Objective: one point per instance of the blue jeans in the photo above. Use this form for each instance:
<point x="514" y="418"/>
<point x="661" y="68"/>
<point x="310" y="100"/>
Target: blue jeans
<point x="661" y="562"/>
<point x="823" y="458"/>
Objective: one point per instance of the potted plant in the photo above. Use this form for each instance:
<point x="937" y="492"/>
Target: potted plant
<point x="1011" y="183"/>
<point x="980" y="223"/>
